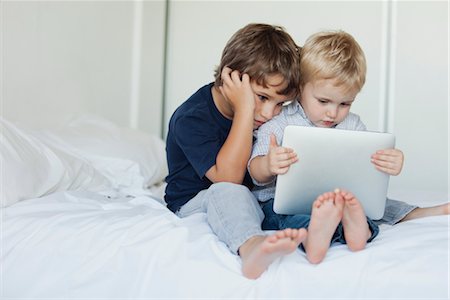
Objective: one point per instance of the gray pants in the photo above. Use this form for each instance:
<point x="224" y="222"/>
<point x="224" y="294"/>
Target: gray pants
<point x="394" y="212"/>
<point x="235" y="215"/>
<point x="232" y="212"/>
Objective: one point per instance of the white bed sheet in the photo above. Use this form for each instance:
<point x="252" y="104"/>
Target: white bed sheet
<point x="87" y="245"/>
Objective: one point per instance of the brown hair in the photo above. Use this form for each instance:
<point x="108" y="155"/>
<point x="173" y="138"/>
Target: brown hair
<point x="262" y="50"/>
<point x="333" y="55"/>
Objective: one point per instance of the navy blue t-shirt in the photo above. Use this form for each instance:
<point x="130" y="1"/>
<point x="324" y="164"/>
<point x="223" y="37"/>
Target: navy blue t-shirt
<point x="197" y="131"/>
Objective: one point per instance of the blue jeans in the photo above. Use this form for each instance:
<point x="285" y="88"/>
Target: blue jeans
<point x="274" y="221"/>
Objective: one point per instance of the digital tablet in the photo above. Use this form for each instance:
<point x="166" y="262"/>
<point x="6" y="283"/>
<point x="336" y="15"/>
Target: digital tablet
<point x="331" y="158"/>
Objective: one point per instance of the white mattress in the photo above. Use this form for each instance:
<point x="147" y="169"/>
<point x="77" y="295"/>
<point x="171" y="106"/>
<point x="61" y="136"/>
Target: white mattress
<point x="86" y="245"/>
<point x="61" y="244"/>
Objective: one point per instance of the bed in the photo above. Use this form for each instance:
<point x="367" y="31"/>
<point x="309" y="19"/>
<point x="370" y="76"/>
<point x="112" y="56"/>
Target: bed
<point x="83" y="217"/>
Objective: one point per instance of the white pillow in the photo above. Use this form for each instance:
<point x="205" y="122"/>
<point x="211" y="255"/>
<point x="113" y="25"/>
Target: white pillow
<point x="33" y="165"/>
<point x="128" y="158"/>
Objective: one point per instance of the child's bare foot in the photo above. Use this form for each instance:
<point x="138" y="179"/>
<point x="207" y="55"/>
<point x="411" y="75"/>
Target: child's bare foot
<point x="259" y="252"/>
<point x="325" y="217"/>
<point x="354" y="223"/>
<point x="422" y="212"/>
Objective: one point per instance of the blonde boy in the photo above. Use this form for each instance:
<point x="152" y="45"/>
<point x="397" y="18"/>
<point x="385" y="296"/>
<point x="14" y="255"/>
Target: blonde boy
<point x="333" y="70"/>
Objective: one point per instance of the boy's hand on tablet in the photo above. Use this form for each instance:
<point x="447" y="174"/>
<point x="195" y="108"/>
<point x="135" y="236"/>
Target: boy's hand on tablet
<point x="389" y="161"/>
<point x="280" y="158"/>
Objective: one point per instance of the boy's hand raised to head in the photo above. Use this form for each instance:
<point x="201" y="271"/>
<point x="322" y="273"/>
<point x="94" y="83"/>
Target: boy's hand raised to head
<point x="237" y="91"/>
<point x="280" y="158"/>
<point x="389" y="161"/>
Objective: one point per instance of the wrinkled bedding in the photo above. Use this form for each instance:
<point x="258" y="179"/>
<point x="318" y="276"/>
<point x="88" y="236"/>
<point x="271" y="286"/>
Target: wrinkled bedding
<point x="107" y="245"/>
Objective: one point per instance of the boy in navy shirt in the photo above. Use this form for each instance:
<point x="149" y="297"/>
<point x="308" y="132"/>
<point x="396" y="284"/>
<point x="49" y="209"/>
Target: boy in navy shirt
<point x="210" y="138"/>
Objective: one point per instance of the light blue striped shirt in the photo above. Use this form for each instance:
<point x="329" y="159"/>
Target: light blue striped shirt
<point x="292" y="114"/>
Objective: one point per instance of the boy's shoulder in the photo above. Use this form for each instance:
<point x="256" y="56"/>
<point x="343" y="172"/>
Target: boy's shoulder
<point x="196" y="107"/>
<point x="353" y="117"/>
<point x="291" y="114"/>
<point x="352" y="122"/>
<point x="198" y="113"/>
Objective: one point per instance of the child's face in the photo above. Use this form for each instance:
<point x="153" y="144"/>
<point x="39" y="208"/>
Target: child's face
<point x="268" y="102"/>
<point x="325" y="104"/>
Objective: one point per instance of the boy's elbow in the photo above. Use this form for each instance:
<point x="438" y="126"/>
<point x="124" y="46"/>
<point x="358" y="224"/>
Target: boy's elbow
<point x="216" y="175"/>
<point x="231" y="178"/>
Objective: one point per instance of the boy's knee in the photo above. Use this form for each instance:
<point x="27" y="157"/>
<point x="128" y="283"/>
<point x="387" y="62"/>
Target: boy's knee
<point x="228" y="188"/>
<point x="231" y="194"/>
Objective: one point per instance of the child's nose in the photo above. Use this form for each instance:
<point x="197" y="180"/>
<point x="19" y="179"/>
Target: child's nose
<point x="331" y="113"/>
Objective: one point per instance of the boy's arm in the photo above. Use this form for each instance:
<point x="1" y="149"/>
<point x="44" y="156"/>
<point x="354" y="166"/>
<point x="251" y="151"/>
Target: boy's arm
<point x="389" y="161"/>
<point x="259" y="171"/>
<point x="231" y="161"/>
<point x="264" y="168"/>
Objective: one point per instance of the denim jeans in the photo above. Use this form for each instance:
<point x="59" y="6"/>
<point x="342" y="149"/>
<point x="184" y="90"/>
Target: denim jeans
<point x="395" y="211"/>
<point x="231" y="210"/>
<point x="274" y="221"/>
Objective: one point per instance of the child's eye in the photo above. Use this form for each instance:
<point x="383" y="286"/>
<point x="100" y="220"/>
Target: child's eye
<point x="262" y="98"/>
<point x="346" y="104"/>
<point x="322" y="101"/>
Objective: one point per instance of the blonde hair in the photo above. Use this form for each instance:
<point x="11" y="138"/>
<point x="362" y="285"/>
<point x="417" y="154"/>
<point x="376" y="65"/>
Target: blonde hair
<point x="333" y="55"/>
<point x="263" y="50"/>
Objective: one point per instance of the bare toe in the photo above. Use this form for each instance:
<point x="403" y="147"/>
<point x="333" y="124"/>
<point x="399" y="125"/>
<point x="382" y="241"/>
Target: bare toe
<point x="348" y="195"/>
<point x="339" y="201"/>
<point x="301" y="235"/>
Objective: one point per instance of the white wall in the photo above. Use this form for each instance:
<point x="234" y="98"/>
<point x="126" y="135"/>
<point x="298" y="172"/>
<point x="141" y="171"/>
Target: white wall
<point x="406" y="46"/>
<point x="199" y="30"/>
<point x="61" y="58"/>
<point x="106" y="57"/>
<point x="150" y="116"/>
<point x="420" y="94"/>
